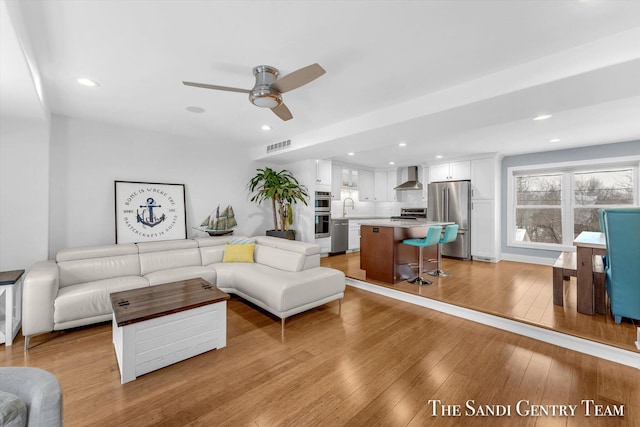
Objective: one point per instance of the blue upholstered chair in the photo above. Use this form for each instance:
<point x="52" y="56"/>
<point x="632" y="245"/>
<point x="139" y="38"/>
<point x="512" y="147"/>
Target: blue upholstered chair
<point x="450" y="234"/>
<point x="622" y="231"/>
<point x="432" y="238"/>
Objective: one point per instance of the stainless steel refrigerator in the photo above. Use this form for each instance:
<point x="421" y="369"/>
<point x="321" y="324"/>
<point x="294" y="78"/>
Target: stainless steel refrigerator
<point x="451" y="201"/>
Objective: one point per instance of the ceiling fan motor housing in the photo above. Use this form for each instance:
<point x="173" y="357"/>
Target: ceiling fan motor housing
<point x="262" y="94"/>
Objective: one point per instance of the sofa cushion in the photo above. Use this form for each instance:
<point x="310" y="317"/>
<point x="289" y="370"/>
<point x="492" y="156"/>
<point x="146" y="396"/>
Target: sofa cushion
<point x="157" y="256"/>
<point x="279" y="258"/>
<point x="288" y="245"/>
<point x="91" y="298"/>
<point x="181" y="273"/>
<point x="278" y="289"/>
<point x="93" y="263"/>
<point x="238" y="253"/>
<point x="212" y="248"/>
<point x="103" y="251"/>
<point x="13" y="410"/>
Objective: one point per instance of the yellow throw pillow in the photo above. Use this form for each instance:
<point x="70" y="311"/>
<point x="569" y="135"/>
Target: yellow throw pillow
<point x="238" y="253"/>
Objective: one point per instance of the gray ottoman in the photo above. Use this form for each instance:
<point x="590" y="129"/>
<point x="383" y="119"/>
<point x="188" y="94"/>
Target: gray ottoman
<point x="30" y="395"/>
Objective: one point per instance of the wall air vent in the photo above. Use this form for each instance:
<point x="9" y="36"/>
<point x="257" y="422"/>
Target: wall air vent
<point x="282" y="145"/>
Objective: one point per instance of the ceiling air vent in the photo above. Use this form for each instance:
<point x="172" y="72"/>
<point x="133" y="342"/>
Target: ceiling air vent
<point x="282" y="145"/>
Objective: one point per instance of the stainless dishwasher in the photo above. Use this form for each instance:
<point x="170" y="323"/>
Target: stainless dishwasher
<point x="339" y="235"/>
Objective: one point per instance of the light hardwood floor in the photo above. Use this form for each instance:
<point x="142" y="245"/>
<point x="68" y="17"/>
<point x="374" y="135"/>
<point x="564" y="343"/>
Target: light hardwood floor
<point x="378" y="362"/>
<point x="514" y="290"/>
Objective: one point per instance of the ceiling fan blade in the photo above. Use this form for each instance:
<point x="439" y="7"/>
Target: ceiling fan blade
<point x="298" y="78"/>
<point x="206" y="86"/>
<point x="283" y="112"/>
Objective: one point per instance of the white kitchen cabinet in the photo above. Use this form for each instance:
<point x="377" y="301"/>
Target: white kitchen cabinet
<point x="323" y="172"/>
<point x="485" y="235"/>
<point x="483" y="178"/>
<point x="454" y="171"/>
<point x="385" y="182"/>
<point x="366" y="186"/>
<point x="336" y="182"/>
<point x="425" y="185"/>
<point x="349" y="179"/>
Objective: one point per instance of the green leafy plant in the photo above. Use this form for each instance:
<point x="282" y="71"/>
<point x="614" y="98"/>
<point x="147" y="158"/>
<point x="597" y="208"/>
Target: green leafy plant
<point x="283" y="189"/>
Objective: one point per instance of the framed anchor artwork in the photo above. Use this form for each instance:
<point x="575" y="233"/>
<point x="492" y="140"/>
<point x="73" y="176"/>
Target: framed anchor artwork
<point x="149" y="211"/>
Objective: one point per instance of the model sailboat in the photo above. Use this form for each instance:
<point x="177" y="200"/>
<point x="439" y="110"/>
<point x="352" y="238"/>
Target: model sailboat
<point x="220" y="224"/>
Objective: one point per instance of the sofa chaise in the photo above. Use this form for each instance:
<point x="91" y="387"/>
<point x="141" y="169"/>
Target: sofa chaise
<point x="283" y="277"/>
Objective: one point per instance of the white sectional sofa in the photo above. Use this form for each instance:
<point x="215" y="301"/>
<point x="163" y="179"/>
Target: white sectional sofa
<point x="284" y="279"/>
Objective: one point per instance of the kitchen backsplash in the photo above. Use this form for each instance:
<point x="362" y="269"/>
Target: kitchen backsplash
<point x="382" y="209"/>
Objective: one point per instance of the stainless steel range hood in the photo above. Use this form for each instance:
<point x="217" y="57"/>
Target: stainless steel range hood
<point x="412" y="182"/>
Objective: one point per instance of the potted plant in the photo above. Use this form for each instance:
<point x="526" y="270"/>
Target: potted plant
<point x="284" y="190"/>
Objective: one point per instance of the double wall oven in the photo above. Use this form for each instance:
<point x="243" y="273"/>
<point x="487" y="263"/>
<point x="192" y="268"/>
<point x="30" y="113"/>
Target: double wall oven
<point x="323" y="214"/>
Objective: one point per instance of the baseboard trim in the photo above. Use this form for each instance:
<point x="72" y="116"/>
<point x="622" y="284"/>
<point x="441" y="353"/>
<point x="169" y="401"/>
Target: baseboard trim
<point x="529" y="259"/>
<point x="592" y="348"/>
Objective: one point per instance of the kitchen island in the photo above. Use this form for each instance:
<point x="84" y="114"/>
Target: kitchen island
<point x="383" y="255"/>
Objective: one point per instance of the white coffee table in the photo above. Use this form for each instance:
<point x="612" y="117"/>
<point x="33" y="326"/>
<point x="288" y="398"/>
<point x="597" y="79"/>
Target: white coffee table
<point x="160" y="325"/>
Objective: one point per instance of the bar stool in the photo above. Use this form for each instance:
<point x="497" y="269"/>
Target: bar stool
<point x="432" y="238"/>
<point x="450" y="234"/>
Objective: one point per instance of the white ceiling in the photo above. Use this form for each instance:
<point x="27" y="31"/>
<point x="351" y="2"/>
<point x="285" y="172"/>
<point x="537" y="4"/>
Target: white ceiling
<point x="446" y="77"/>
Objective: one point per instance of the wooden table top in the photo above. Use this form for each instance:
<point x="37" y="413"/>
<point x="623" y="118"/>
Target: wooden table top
<point x="591" y="239"/>
<point x="10" y="277"/>
<point x="142" y="304"/>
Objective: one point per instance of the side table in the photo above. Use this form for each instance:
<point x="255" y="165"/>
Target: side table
<point x="11" y="288"/>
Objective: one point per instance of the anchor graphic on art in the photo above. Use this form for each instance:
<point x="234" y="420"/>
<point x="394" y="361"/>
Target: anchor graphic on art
<point x="150" y="220"/>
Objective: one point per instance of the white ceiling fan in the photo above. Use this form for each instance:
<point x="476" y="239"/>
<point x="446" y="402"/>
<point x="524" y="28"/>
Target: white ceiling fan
<point x="268" y="88"/>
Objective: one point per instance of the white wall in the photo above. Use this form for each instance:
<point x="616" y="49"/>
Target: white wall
<point x="24" y="192"/>
<point x="87" y="157"/>
<point x="24" y="149"/>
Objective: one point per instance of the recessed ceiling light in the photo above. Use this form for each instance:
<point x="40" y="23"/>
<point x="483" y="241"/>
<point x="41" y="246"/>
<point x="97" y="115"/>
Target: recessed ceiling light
<point x="554" y="140"/>
<point x="192" y="109"/>
<point x="438" y="156"/>
<point x="87" y="82"/>
<point x="392" y="163"/>
<point x="542" y="117"/>
<point x="402" y="144"/>
<point x="265" y="127"/>
<point x="351" y="153"/>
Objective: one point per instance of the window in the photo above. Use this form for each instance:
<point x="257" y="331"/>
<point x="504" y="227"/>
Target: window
<point x="539" y="208"/>
<point x="599" y="189"/>
<point x="550" y="206"/>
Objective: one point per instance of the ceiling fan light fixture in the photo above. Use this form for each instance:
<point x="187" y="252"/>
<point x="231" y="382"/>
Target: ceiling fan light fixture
<point x="265" y="98"/>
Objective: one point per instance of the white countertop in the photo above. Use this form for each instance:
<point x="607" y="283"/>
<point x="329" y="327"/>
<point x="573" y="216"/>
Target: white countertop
<point x="404" y="223"/>
<point x="358" y="218"/>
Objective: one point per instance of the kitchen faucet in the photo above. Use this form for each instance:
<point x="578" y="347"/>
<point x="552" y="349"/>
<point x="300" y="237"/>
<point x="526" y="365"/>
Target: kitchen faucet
<point x="344" y="206"/>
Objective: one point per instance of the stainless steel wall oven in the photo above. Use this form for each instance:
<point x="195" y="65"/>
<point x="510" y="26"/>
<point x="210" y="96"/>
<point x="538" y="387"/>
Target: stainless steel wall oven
<point x="323" y="214"/>
<point x="323" y="201"/>
<point x="323" y="224"/>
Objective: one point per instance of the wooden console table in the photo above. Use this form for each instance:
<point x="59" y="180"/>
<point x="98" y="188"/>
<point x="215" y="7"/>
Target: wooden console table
<point x="159" y="325"/>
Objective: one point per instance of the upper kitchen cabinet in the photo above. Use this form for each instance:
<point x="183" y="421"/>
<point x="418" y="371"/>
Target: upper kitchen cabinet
<point x="366" y="186"/>
<point x="484" y="177"/>
<point x="385" y="182"/>
<point x="349" y="179"/>
<point x="336" y="182"/>
<point x="323" y="173"/>
<point x="454" y="171"/>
